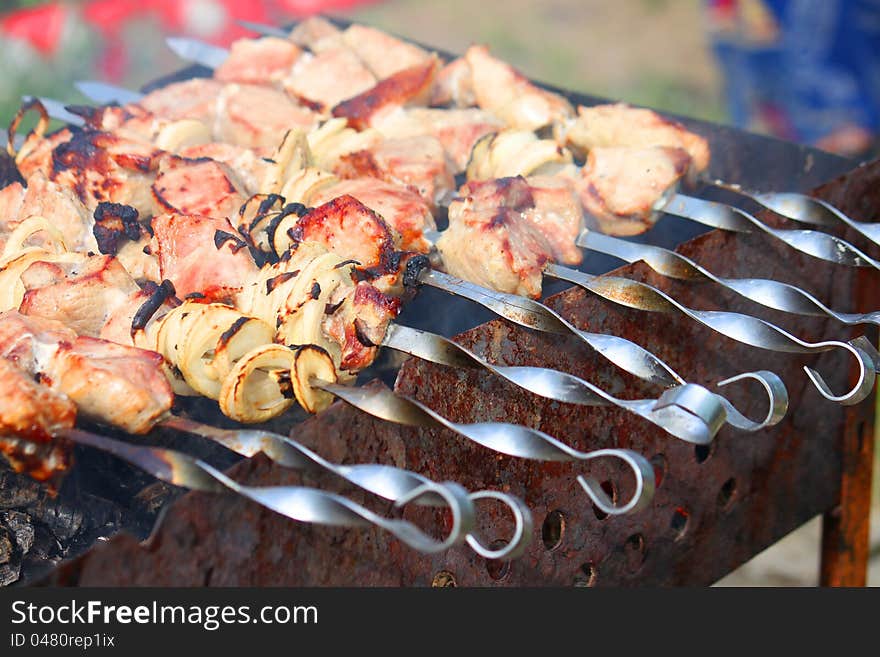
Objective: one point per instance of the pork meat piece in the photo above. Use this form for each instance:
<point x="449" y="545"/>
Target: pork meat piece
<point x="197" y="187"/>
<point x="258" y="61"/>
<point x="620" y="124"/>
<point x="622" y="187"/>
<point x="416" y="162"/>
<point x="201" y="254"/>
<point x="329" y="77"/>
<point x="507" y="93"/>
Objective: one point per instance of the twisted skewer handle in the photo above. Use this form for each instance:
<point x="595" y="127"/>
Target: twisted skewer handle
<point x="295" y="502"/>
<point x="736" y="326"/>
<point x="511" y="439"/>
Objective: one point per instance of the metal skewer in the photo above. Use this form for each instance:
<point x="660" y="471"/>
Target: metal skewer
<point x="512" y="439"/>
<point x="392" y="483"/>
<point x="747" y="329"/>
<point x="766" y="292"/>
<point x="803" y="208"/>
<point x="295" y="502"/>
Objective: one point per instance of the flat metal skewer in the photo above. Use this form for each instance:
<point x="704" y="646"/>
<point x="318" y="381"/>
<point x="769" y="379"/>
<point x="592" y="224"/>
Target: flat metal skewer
<point x="511" y="439"/>
<point x="766" y="292"/>
<point x="747" y="329"/>
<point x="386" y="481"/>
<point x="299" y="503"/>
<point x="803" y="208"/>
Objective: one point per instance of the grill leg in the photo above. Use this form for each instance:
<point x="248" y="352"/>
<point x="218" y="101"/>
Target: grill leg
<point x="845" y="529"/>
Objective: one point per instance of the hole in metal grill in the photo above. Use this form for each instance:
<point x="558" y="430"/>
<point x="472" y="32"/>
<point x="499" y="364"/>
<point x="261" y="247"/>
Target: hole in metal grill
<point x="679" y="523"/>
<point x="725" y="495"/>
<point x="443" y="579"/>
<point x="610" y="490"/>
<point x="659" y="464"/>
<point x="588" y="575"/>
<point x="702" y="452"/>
<point x="498" y="569"/>
<point x="634" y="550"/>
<point x="553" y="529"/>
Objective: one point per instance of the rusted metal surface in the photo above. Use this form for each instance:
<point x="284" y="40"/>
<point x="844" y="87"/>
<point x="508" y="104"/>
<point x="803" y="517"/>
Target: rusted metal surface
<point x="846" y="527"/>
<point x="714" y="508"/>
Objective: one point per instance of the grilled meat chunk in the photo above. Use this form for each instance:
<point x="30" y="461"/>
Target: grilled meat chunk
<point x="620" y="124"/>
<point x="123" y="386"/>
<point x="456" y="129"/>
<point x="248" y="165"/>
<point x="410" y="86"/>
<point x="82" y="296"/>
<point x="416" y="162"/>
<point x="196" y="187"/>
<point x="29" y="410"/>
<point x="349" y="228"/>
<point x="54" y="202"/>
<point x="622" y="187"/>
<point x="200" y="254"/>
<point x="258" y="61"/>
<point x="357" y="320"/>
<point x="383" y="54"/>
<point x="328" y="77"/>
<point x="257" y="116"/>
<point x="503" y="232"/>
<point x="402" y="209"/>
<point x="507" y="93"/>
<point x="30" y="415"/>
<point x="191" y="99"/>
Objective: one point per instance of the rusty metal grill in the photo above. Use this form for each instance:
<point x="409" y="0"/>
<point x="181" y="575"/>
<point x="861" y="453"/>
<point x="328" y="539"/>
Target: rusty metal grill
<point x="715" y="506"/>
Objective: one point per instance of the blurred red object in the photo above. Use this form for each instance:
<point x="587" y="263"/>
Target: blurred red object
<point x="40" y="26"/>
<point x="215" y="21"/>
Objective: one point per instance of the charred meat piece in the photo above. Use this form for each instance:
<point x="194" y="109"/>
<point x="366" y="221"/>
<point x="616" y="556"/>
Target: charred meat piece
<point x="258" y="61"/>
<point x="507" y="93"/>
<point x="623" y="187"/>
<point x="622" y="125"/>
<point x="200" y="254"/>
<point x="30" y="415"/>
<point x="196" y="187"/>
<point x="329" y="77"/>
<point x="103" y="166"/>
<point x="415" y="162"/>
<point x="347" y="227"/>
<point x="357" y="320"/>
<point x="503" y="232"/>
<point x="410" y="86"/>
<point x="115" y="224"/>
<point x="123" y="386"/>
<point x="402" y="209"/>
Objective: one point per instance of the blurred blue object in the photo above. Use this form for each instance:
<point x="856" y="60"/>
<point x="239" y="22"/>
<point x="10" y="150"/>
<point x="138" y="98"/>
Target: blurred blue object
<point x="803" y="70"/>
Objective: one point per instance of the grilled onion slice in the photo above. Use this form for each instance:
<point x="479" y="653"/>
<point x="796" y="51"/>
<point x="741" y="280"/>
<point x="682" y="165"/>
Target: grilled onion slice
<point x="312" y="362"/>
<point x="258" y="387"/>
